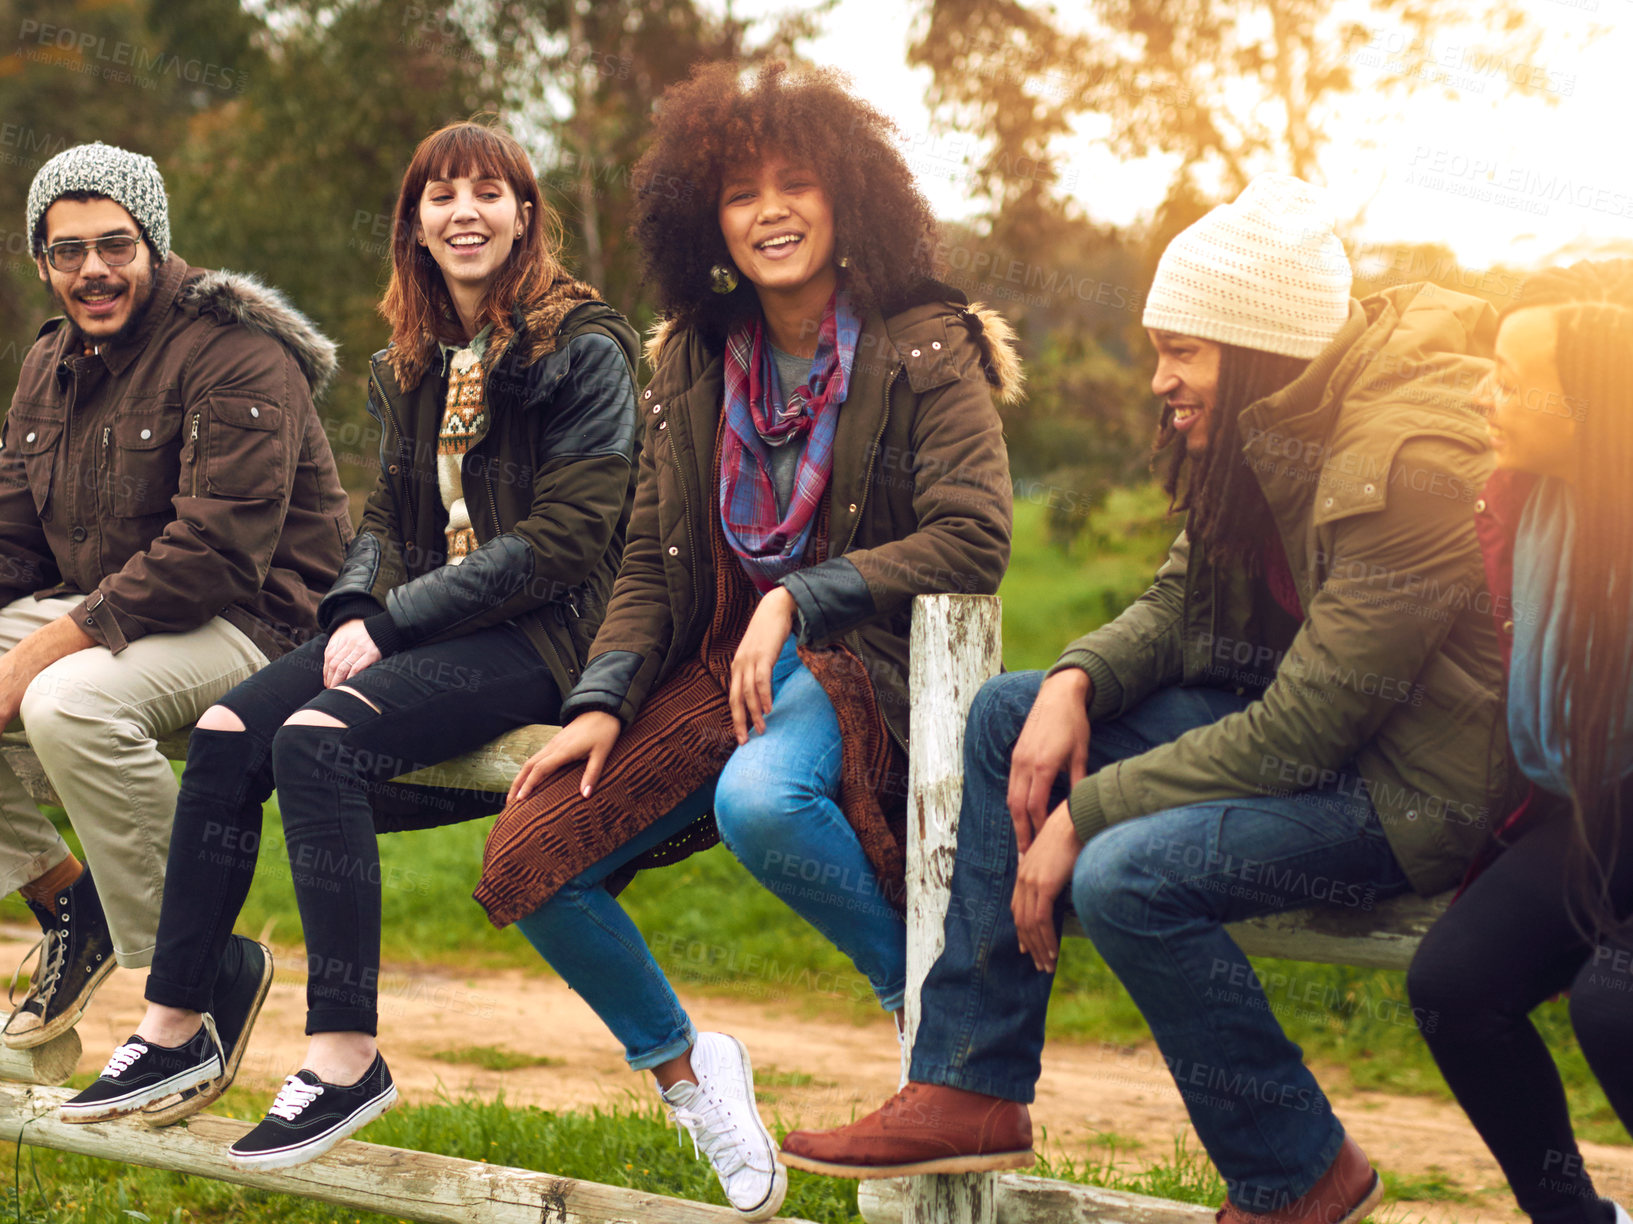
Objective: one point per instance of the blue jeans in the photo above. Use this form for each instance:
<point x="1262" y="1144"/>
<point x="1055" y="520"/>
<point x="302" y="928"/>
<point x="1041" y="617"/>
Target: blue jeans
<point x="776" y="807"/>
<point x="1153" y="894"/>
<point x="769" y="801"/>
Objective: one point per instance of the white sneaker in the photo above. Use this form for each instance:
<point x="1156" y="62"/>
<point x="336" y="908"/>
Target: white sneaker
<point x="719" y="1113"/>
<point x="1621" y="1214"/>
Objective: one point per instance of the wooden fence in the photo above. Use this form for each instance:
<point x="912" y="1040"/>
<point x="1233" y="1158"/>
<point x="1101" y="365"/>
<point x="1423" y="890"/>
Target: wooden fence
<point x="956" y="646"/>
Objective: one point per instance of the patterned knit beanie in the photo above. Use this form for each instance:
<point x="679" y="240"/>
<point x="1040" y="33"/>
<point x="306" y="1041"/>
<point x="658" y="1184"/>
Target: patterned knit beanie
<point x="1264" y="272"/>
<point x="130" y="180"/>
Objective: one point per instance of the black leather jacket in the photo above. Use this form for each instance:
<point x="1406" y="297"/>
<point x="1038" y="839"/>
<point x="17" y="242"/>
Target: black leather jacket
<point x="549" y="490"/>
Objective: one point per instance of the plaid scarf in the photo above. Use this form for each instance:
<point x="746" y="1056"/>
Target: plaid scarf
<point x="757" y="419"/>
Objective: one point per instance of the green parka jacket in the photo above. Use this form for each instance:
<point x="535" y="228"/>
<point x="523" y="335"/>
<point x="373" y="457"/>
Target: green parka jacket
<point x="1371" y="461"/>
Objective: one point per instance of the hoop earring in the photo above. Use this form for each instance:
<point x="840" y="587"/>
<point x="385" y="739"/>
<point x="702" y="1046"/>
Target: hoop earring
<point x="722" y="278"/>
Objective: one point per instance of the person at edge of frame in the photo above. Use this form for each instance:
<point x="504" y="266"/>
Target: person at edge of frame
<point x="1303" y="708"/>
<point x="170" y="516"/>
<point x="1547" y="909"/>
<point x="463" y="610"/>
<point x="821" y="445"/>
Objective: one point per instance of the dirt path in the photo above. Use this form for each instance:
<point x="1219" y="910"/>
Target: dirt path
<point x="811" y="1072"/>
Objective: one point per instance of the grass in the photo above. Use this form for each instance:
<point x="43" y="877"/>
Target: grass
<point x="716" y="931"/>
<point x="492" y="1058"/>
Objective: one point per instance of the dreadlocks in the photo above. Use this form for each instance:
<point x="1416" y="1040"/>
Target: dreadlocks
<point x="1225" y="510"/>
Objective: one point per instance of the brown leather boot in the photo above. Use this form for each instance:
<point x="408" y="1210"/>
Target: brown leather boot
<point x="1347" y="1193"/>
<point x="924" y="1128"/>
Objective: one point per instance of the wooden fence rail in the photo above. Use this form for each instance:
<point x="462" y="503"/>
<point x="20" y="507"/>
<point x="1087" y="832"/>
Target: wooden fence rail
<point x="955" y="647"/>
<point x="363" y="1176"/>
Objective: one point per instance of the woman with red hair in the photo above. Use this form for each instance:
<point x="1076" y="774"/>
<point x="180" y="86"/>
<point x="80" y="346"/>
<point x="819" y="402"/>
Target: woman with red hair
<point x="464" y="609"/>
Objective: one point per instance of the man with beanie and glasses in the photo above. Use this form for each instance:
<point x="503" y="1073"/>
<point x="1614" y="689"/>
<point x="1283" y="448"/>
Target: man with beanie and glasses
<point x="170" y="516"/>
<point x="1303" y="709"/>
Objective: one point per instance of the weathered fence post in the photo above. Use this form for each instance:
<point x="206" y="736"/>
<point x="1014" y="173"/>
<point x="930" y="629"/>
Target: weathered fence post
<point x="51" y="1063"/>
<point x="956" y="646"/>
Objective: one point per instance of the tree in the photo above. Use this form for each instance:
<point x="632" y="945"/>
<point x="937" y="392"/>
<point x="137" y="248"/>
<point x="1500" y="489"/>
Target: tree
<point x="1227" y="88"/>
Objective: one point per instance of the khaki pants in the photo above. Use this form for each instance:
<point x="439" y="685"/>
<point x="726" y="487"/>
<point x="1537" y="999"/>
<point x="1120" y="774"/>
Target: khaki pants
<point x="92" y="719"/>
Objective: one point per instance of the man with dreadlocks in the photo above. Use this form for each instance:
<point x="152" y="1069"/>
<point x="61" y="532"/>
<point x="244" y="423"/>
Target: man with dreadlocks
<point x="1302" y="709"/>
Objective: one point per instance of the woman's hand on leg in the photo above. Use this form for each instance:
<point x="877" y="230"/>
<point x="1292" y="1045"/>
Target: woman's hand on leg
<point x="589" y="738"/>
<point x="349" y="651"/>
<point x="757" y="653"/>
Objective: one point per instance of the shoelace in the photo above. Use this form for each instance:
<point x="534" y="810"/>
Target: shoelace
<point x="122" y="1059"/>
<point x="49" y="955"/>
<point x="293" y="1097"/>
<point x="724" y="1144"/>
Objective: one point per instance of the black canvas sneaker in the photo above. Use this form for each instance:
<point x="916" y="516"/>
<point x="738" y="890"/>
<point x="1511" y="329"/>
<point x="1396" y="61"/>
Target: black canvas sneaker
<point x="310" y="1117"/>
<point x="240" y="989"/>
<point x="74" y="958"/>
<point x="142" y="1071"/>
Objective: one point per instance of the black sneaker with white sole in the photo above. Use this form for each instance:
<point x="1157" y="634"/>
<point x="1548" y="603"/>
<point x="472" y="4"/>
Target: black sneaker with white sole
<point x="74" y="957"/>
<point x="241" y="987"/>
<point x="310" y="1117"/>
<point x="143" y="1071"/>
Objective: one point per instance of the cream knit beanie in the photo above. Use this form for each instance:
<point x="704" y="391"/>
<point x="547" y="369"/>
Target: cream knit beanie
<point x="1264" y="272"/>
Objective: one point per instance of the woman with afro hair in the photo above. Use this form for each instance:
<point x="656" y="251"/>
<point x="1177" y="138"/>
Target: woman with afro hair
<point x="820" y="445"/>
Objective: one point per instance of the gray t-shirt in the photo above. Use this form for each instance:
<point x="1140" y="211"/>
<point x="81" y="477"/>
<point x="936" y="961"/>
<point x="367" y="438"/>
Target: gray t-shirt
<point x="792" y="372"/>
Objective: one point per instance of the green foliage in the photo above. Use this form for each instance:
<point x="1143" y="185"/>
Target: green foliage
<point x="492" y="1058"/>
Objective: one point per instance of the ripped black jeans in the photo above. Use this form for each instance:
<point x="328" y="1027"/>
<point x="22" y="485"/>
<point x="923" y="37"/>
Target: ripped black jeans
<point x="421" y="706"/>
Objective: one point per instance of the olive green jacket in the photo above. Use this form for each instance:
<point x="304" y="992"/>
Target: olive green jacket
<point x="1371" y="461"/>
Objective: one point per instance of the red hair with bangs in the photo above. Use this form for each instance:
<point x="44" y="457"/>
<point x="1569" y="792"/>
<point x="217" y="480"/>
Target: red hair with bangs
<point x="417" y="304"/>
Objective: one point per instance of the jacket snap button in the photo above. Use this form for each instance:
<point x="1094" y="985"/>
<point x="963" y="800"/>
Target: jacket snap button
<point x="936" y="344"/>
<point x="663" y="424"/>
<point x="1480" y="506"/>
<point x="146" y="434"/>
<point x="915" y="352"/>
<point x="1508" y="628"/>
<point x="30" y="438"/>
<point x="656" y="408"/>
<point x="392" y="469"/>
<point x="254" y="412"/>
<point x="77" y="535"/>
<point x="1370" y="489"/>
<point x="853" y="507"/>
<point x="673" y="551"/>
<point x="1412" y="815"/>
<point x="1328" y="503"/>
<point x="647" y="394"/>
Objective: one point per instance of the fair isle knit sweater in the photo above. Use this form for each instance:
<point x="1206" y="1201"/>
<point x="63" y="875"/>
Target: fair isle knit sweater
<point x="464" y="423"/>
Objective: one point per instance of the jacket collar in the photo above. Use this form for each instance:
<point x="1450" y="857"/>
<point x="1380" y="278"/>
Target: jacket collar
<point x="167" y="281"/>
<point x="1303" y="446"/>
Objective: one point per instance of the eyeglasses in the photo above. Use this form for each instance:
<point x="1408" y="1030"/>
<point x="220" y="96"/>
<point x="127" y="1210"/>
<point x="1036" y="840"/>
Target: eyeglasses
<point x="116" y="251"/>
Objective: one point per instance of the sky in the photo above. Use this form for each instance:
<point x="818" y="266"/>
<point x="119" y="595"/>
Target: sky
<point x="1497" y="179"/>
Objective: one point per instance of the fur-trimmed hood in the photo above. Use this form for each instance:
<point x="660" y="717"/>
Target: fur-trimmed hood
<point x="994" y="337"/>
<point x="238" y="297"/>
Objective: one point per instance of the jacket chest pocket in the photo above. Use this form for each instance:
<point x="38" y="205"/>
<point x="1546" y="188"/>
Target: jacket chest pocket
<point x="243" y="448"/>
<point x="34" y="442"/>
<point x="142" y="462"/>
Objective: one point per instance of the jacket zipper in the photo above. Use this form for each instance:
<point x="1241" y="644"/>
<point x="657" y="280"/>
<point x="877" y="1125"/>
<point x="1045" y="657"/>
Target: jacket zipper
<point x="196" y="456"/>
<point x="107" y="472"/>
<point x="873" y="454"/>
<point x="685" y="502"/>
<point x="408" y="483"/>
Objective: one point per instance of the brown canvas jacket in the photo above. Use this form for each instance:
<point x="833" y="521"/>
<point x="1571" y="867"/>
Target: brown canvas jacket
<point x="919" y="502"/>
<point x="180" y="474"/>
